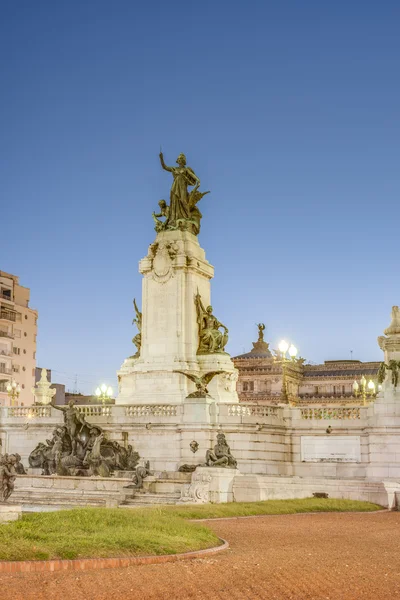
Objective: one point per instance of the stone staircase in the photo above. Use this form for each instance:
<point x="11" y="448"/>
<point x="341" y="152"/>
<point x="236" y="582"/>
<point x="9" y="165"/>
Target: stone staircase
<point x="68" y="492"/>
<point x="158" y="489"/>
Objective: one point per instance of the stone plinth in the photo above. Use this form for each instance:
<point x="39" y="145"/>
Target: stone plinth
<point x="221" y="482"/>
<point x="10" y="512"/>
<point x="174" y="271"/>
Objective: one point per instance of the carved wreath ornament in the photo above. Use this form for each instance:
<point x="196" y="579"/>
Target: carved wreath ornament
<point x="164" y="254"/>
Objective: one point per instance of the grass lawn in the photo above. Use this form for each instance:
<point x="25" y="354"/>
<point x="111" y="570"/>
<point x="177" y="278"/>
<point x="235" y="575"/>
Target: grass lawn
<point x="105" y="532"/>
<point x="100" y="532"/>
<point x="269" y="507"/>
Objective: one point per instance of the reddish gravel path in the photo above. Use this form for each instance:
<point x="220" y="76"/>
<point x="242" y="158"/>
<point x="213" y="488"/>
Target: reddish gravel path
<point x="291" y="557"/>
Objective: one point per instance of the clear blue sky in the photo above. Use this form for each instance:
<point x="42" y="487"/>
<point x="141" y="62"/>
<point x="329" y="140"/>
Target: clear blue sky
<point x="287" y="111"/>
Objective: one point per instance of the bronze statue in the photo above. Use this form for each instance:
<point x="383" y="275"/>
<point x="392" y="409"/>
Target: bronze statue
<point x="137" y="340"/>
<point x="140" y="474"/>
<point x="200" y="382"/>
<point x="211" y="339"/>
<point x="221" y="455"/>
<point x="73" y="420"/>
<point x="261" y="329"/>
<point x="182" y="211"/>
<point x="7" y="476"/>
<point x="164" y="212"/>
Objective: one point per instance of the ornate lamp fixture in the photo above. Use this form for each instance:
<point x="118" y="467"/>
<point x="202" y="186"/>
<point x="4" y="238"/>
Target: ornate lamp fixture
<point x="292" y="351"/>
<point x="13" y="391"/>
<point x="104" y="393"/>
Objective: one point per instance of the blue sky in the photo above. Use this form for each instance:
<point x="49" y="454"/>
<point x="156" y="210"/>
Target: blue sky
<point x="287" y="111"/>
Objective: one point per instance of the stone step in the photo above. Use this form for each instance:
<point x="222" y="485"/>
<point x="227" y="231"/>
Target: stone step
<point x="151" y="499"/>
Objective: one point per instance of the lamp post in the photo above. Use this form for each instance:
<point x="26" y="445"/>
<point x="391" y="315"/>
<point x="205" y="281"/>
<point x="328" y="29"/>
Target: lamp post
<point x="366" y="390"/>
<point x="292" y="351"/>
<point x="13" y="391"/>
<point x="104" y="393"/>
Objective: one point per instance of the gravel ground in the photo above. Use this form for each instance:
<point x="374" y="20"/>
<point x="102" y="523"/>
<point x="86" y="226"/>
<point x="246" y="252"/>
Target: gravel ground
<point x="322" y="556"/>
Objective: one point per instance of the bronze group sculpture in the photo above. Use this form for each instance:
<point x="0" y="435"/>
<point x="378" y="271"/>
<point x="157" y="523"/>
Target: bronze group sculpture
<point x="79" y="448"/>
<point x="182" y="212"/>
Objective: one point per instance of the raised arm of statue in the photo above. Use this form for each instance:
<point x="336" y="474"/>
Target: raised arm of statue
<point x="62" y="408"/>
<point x="164" y="166"/>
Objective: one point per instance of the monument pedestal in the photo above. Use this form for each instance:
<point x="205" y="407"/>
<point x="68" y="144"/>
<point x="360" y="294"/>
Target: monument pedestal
<point x="174" y="271"/>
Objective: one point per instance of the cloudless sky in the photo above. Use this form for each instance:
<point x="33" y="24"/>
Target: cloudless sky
<point x="287" y="111"/>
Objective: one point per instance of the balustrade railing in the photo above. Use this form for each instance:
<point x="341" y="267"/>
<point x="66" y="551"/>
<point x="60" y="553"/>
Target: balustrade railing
<point x="340" y="413"/>
<point x="94" y="410"/>
<point x="155" y="410"/>
<point x="28" y="412"/>
<point x="252" y="410"/>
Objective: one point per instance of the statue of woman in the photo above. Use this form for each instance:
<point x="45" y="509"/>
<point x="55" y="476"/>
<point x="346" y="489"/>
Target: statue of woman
<point x="179" y="197"/>
<point x="211" y="338"/>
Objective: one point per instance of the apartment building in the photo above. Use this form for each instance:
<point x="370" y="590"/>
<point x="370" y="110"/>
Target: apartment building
<point x="18" y="330"/>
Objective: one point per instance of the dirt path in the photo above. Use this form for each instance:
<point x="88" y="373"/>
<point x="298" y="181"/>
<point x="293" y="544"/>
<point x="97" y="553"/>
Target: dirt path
<point x="321" y="557"/>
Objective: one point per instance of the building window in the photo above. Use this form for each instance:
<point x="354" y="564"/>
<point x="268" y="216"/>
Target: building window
<point x="251" y="386"/>
<point x="3" y="386"/>
<point x="316" y="389"/>
<point x="245" y="386"/>
<point x="18" y="317"/>
<point x="26" y="317"/>
<point x="24" y="351"/>
<point x="34" y="354"/>
<point x="25" y="334"/>
<point x="17" y="350"/>
<point x="23" y="368"/>
<point x="23" y="386"/>
<point x="17" y="333"/>
<point x="16" y="368"/>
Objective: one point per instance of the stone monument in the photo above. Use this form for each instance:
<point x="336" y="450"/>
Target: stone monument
<point x="179" y="336"/>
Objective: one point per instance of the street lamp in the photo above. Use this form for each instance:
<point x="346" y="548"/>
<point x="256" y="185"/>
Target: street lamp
<point x="13" y="391"/>
<point x="292" y="351"/>
<point x="366" y="390"/>
<point x="104" y="393"/>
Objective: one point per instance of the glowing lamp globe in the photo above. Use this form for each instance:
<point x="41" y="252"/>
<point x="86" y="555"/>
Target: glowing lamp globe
<point x="283" y="346"/>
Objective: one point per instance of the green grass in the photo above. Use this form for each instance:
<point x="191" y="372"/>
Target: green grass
<point x="104" y="532"/>
<point x="100" y="532"/>
<point x="269" y="507"/>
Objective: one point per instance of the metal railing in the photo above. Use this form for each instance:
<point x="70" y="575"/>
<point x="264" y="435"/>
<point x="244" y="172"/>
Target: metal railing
<point x="252" y="410"/>
<point x="6" y="334"/>
<point x="5" y="371"/>
<point x="6" y="297"/>
<point x="7" y="314"/>
<point x="341" y="413"/>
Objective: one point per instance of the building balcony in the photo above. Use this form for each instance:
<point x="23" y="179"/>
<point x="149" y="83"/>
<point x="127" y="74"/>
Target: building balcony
<point x="5" y="371"/>
<point x="7" y="297"/>
<point x="6" y="334"/>
<point x="8" y="353"/>
<point x="8" y="315"/>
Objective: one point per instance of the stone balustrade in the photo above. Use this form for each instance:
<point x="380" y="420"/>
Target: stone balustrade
<point x="25" y="412"/>
<point x="95" y="410"/>
<point x="154" y="410"/>
<point x="339" y="413"/>
<point x="252" y="410"/>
